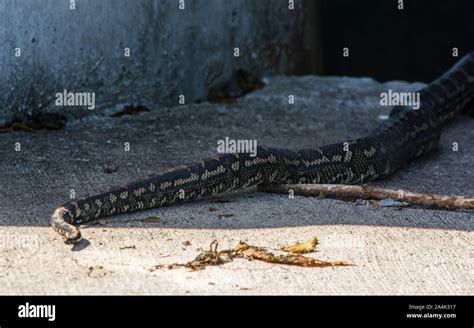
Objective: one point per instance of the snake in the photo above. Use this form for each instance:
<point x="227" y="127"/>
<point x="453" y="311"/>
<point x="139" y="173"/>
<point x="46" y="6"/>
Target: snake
<point x="406" y="134"/>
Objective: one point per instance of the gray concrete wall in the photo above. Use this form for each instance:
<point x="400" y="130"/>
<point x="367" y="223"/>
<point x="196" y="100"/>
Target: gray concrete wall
<point x="173" y="51"/>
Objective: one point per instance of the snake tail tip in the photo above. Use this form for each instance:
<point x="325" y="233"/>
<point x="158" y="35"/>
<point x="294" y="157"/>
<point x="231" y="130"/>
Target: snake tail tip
<point x="69" y="232"/>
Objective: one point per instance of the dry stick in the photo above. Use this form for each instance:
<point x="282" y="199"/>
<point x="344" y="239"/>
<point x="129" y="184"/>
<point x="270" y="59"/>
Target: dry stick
<point x="365" y="192"/>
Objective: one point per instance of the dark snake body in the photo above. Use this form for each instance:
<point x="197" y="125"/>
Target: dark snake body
<point x="405" y="135"/>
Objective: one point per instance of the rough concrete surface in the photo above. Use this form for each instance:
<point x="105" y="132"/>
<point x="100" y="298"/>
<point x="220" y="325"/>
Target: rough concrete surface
<point x="395" y="250"/>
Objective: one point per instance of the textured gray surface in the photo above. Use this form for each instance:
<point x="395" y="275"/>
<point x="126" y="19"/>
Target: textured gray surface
<point x="172" y="52"/>
<point x="396" y="251"/>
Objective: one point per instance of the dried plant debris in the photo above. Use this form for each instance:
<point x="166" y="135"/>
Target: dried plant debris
<point x="387" y="197"/>
<point x="259" y="253"/>
<point x="96" y="271"/>
<point x="206" y="258"/>
<point x="130" y="110"/>
<point x="153" y="219"/>
<point x="214" y="257"/>
<point x="308" y="246"/>
<point x="241" y="83"/>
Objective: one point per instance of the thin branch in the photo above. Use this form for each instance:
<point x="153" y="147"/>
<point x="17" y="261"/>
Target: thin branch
<point x="365" y="192"/>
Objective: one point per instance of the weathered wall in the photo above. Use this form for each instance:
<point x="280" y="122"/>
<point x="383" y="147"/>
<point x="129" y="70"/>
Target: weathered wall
<point x="172" y="51"/>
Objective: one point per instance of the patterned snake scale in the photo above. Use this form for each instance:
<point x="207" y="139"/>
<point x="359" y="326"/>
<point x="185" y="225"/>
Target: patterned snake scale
<point x="405" y="135"/>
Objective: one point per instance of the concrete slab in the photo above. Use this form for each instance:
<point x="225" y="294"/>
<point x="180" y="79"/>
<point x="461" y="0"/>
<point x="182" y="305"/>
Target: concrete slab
<point x="396" y="251"/>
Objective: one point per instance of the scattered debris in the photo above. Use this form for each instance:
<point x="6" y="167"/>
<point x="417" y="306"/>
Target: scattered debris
<point x="308" y="246"/>
<point x="153" y="219"/>
<point x="128" y="247"/>
<point x="243" y="250"/>
<point x="33" y="122"/>
<point x="130" y="110"/>
<point x="212" y="209"/>
<point x="365" y="192"/>
<point x="389" y="202"/>
<point x="225" y="216"/>
<point x="16" y="127"/>
<point x="96" y="271"/>
<point x="259" y="253"/>
<point x="186" y="243"/>
<point x="241" y="83"/>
